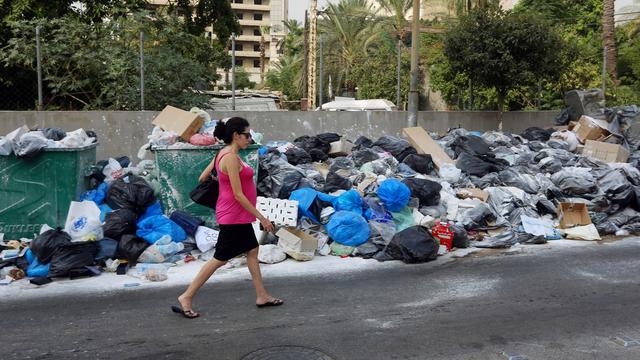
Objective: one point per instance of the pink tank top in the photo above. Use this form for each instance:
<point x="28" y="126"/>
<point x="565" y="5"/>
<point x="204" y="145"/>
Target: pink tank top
<point x="228" y="209"/>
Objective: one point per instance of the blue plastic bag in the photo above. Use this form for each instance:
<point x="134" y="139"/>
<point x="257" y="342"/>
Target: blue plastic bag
<point x="104" y="210"/>
<point x="311" y="202"/>
<point x="35" y="268"/>
<point x="349" y="201"/>
<point x="97" y="195"/>
<point x="152" y="210"/>
<point x="394" y="194"/>
<point x="155" y="227"/>
<point x="348" y="228"/>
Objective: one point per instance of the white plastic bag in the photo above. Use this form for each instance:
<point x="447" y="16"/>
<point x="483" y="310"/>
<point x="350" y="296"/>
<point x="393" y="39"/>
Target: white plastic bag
<point x="567" y="136"/>
<point x="271" y="254"/>
<point x="450" y="173"/>
<point x="77" y="138"/>
<point x="161" y="137"/>
<point x="30" y="143"/>
<point x="15" y="135"/>
<point x="6" y="147"/>
<point x="83" y="221"/>
<point x="113" y="171"/>
<point x="206" y="238"/>
<point x="587" y="232"/>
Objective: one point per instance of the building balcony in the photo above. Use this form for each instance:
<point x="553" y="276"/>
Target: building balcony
<point x="250" y="54"/>
<point x="251" y="7"/>
<point x="250" y="38"/>
<point x="248" y="22"/>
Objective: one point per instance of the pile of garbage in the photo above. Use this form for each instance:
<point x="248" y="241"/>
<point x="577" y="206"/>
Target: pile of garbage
<point x="25" y="143"/>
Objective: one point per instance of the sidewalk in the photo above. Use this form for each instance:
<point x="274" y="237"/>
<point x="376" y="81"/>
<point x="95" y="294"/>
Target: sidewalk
<point x="181" y="275"/>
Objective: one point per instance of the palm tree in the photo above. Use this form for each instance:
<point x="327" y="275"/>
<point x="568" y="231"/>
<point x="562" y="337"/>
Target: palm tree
<point x="350" y="28"/>
<point x="609" y="38"/>
<point x="398" y="10"/>
<point x="461" y="7"/>
<point x="264" y="30"/>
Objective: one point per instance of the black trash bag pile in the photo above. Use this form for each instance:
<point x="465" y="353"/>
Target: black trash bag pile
<point x="420" y="163"/>
<point x="308" y="143"/>
<point x="361" y="157"/>
<point x="72" y="256"/>
<point x="412" y="245"/>
<point x="131" y="247"/>
<point x="427" y="192"/>
<point x="335" y="182"/>
<point x="362" y="142"/>
<point x="118" y="223"/>
<point x="186" y="221"/>
<point x="537" y="134"/>
<point x="474" y="156"/>
<point x="46" y="244"/>
<point x="55" y="134"/>
<point x="130" y="192"/>
<point x="399" y="148"/>
<point x="297" y="156"/>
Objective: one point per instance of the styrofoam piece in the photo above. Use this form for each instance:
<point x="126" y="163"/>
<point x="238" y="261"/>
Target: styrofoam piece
<point x="279" y="211"/>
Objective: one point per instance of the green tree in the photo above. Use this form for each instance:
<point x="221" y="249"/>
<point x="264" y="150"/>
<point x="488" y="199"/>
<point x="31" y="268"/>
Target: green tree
<point x="503" y="50"/>
<point x="215" y="13"/>
<point x="264" y="31"/>
<point x="95" y="65"/>
<point x="242" y="79"/>
<point x="398" y="19"/>
<point x="376" y="75"/>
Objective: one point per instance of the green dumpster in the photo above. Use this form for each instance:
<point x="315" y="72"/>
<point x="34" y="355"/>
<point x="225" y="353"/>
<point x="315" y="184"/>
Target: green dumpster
<point x="38" y="191"/>
<point x="178" y="169"/>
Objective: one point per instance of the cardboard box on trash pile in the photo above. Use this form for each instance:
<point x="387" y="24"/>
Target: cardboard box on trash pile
<point x="297" y="244"/>
<point x="573" y="214"/>
<point x="591" y="129"/>
<point x="473" y="193"/>
<point x="181" y="122"/>
<point x="424" y="144"/>
<point x="279" y="211"/>
<point x="609" y="153"/>
<point x="340" y="148"/>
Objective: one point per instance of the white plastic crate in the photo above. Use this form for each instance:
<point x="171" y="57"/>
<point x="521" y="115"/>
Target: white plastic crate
<point x="279" y="211"/>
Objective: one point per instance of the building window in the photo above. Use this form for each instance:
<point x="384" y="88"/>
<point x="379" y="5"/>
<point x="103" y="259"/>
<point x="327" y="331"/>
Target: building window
<point x="237" y="1"/>
<point x="240" y="16"/>
<point x="257" y="16"/>
<point x="256" y="32"/>
<point x="238" y="47"/>
<point x="238" y="62"/>
<point x="257" y="2"/>
<point x="256" y="47"/>
<point x="256" y="63"/>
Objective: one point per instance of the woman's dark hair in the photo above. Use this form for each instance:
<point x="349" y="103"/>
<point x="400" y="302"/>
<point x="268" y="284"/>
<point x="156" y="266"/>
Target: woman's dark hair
<point x="225" y="131"/>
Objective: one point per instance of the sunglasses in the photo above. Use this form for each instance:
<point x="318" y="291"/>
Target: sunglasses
<point x="246" y="134"/>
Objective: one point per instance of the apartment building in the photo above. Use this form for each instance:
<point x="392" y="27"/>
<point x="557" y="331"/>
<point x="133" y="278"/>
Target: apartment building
<point x="430" y="9"/>
<point x="252" y="15"/>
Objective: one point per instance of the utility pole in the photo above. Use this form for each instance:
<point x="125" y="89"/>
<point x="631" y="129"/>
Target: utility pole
<point x="320" y="80"/>
<point x="412" y="118"/>
<point x="398" y="73"/>
<point x="39" y="66"/>
<point x="305" y="77"/>
<point x="233" y="71"/>
<point x="604" y="75"/>
<point x="141" y="71"/>
<point x="313" y="53"/>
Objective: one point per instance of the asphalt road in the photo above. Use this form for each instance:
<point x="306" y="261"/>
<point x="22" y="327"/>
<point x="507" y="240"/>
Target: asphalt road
<point x="556" y="304"/>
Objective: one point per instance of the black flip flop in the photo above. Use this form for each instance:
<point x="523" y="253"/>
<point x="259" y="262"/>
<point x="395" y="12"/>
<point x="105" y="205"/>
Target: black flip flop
<point x="272" y="302"/>
<point x="189" y="314"/>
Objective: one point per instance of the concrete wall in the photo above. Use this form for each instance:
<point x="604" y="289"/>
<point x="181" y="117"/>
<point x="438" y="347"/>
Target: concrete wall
<point x="123" y="132"/>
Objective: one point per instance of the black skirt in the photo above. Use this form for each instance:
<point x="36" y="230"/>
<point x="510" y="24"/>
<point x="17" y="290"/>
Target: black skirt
<point x="234" y="240"/>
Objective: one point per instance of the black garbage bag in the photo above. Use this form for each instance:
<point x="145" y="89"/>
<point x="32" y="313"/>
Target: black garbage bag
<point x="460" y="237"/>
<point x="336" y="182"/>
<point x="545" y="207"/>
<point x="473" y="145"/>
<point x="130" y="192"/>
<point x="329" y="137"/>
<point x="486" y="181"/>
<point x="296" y="155"/>
<point x="292" y="182"/>
<point x="119" y="222"/>
<point x="413" y="245"/>
<point x="131" y="247"/>
<point x="312" y="142"/>
<point x="536" y="134"/>
<point x="616" y="188"/>
<point x="479" y="166"/>
<point x="618" y="220"/>
<point x="478" y="217"/>
<point x="71" y="256"/>
<point x="362" y="142"/>
<point x="367" y="250"/>
<point x="632" y="228"/>
<point x="92" y="134"/>
<point x="536" y="145"/>
<point x="575" y="181"/>
<point x="55" y="134"/>
<point x="550" y="165"/>
<point x="563" y="118"/>
<point x="428" y="192"/>
<point x="124" y="161"/>
<point x="46" y="244"/>
<point x="318" y="155"/>
<point x="278" y="174"/>
<point x="517" y="177"/>
<point x="342" y="163"/>
<point x="558" y="144"/>
<point x="186" y="221"/>
<point x="561" y="155"/>
<point x="361" y="157"/>
<point x="107" y="249"/>
<point x="421" y="163"/>
<point x="399" y="148"/>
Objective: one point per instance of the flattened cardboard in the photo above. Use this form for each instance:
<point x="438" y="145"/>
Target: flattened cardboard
<point x="609" y="153"/>
<point x="473" y="193"/>
<point x="424" y="144"/>
<point x="573" y="214"/>
<point x="590" y="129"/>
<point x="181" y="122"/>
<point x="340" y="148"/>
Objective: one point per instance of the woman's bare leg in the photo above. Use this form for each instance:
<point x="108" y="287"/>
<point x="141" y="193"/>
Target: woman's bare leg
<point x="262" y="296"/>
<point x="203" y="275"/>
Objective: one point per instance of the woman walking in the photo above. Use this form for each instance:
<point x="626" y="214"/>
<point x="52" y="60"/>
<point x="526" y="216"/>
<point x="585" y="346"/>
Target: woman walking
<point x="235" y="211"/>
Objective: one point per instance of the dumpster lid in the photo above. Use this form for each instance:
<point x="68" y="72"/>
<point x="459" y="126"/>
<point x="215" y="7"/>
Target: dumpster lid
<point x="188" y="146"/>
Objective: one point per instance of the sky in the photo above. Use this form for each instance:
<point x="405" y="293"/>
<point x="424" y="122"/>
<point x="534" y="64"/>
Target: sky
<point x="297" y="7"/>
